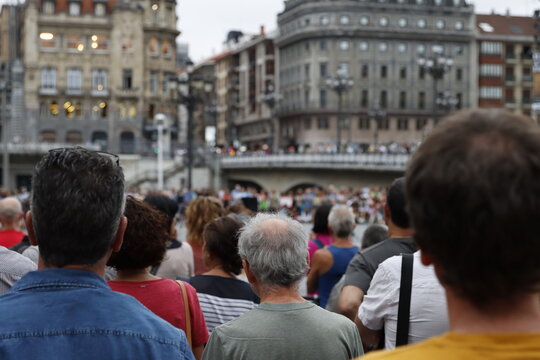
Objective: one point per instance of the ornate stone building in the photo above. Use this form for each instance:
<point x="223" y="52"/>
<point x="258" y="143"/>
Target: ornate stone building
<point x="377" y="43"/>
<point x="96" y="71"/>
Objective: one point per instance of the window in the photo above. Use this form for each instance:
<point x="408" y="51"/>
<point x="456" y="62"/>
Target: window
<point x="365" y="71"/>
<point x="47" y="40"/>
<point x="153" y="47"/>
<point x="458" y="25"/>
<point x="307" y="71"/>
<point x="383" y="47"/>
<point x="344" y="20"/>
<point x="364" y="20"/>
<point x="510" y="73"/>
<point x="421" y="100"/>
<point x="100" y="80"/>
<point x="383" y="99"/>
<point x="100" y="9"/>
<point x="153" y="81"/>
<point x="490" y="92"/>
<point x="72" y="109"/>
<point x="421" y="73"/>
<point x="307" y="97"/>
<point x="438" y="2"/>
<point x="99" y="110"/>
<point x="383" y="123"/>
<point x="166" y="77"/>
<point x="403" y="124"/>
<point x="343" y="68"/>
<point x="364" y="98"/>
<point x="490" y="48"/>
<point x="99" y="42"/>
<point x="439" y="24"/>
<point x="526" y="96"/>
<point x="402" y="99"/>
<point x="364" y="45"/>
<point x="459" y="102"/>
<point x="421" y="124"/>
<point x="421" y="23"/>
<point x="322" y="99"/>
<point x="74" y="137"/>
<point x="54" y="108"/>
<point x="458" y="50"/>
<point x="75" y="43"/>
<point x="307" y="123"/>
<point x="402" y="47"/>
<point x="49" y="7"/>
<point x="421" y="48"/>
<point x="344" y="45"/>
<point x="48" y="78"/>
<point x="325" y="20"/>
<point x="323" y="44"/>
<point x="384" y="71"/>
<point x="383" y="21"/>
<point x="459" y="74"/>
<point x="402" y="22"/>
<point x="420" y="2"/>
<point x="491" y="70"/>
<point x="74" y="8"/>
<point x="323" y="69"/>
<point x="510" y="51"/>
<point x="322" y="123"/>
<point x="74" y="79"/>
<point x="403" y="72"/>
<point x="127" y="79"/>
<point x="166" y="48"/>
<point x="363" y="123"/>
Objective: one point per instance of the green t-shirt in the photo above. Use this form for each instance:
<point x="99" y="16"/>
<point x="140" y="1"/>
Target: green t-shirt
<point x="285" y="331"/>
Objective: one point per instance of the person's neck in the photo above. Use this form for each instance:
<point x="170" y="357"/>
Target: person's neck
<point x="98" y="269"/>
<point x="8" y="226"/>
<point x="397" y="232"/>
<point x="135" y="275"/>
<point x="280" y="295"/>
<point x="342" y="242"/>
<point x="520" y="316"/>
<point x="217" y="270"/>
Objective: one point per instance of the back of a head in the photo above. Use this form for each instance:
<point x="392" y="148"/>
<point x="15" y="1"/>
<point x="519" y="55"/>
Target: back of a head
<point x="221" y="242"/>
<point x="10" y="209"/>
<point x="341" y="220"/>
<point x="164" y="204"/>
<point x="200" y="212"/>
<point x="145" y="239"/>
<point x="320" y="219"/>
<point x="473" y="195"/>
<point x="397" y="204"/>
<point x="276" y="248"/>
<point x="77" y="203"/>
<point x="374" y="234"/>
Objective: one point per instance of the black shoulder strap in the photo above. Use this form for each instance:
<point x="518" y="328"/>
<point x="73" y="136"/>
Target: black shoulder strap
<point x="319" y="243"/>
<point x="404" y="307"/>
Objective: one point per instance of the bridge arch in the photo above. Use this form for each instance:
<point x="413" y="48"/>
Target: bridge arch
<point x="244" y="183"/>
<point x="303" y="185"/>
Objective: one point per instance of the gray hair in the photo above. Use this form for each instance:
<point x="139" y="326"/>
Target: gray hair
<point x="374" y="234"/>
<point x="276" y="248"/>
<point x="341" y="219"/>
<point x="10" y="209"/>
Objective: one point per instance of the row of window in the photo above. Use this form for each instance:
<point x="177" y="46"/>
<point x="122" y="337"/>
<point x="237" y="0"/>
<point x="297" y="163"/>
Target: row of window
<point x="74" y="8"/>
<point x="367" y="123"/>
<point x="99" y="137"/>
<point x="384" y="21"/>
<point x="72" y="108"/>
<point x="496" y="93"/>
<point x="496" y="48"/>
<point x="79" y="43"/>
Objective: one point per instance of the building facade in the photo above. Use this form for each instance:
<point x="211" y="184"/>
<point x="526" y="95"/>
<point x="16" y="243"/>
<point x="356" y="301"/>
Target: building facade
<point x="377" y="44"/>
<point x="505" y="48"/>
<point x="97" y="71"/>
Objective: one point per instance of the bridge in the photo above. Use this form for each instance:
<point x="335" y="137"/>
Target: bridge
<point x="284" y="172"/>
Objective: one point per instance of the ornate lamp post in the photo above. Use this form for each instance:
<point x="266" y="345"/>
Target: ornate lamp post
<point x="340" y="84"/>
<point x="378" y="115"/>
<point x="271" y="97"/>
<point x="436" y="65"/>
<point x="447" y="101"/>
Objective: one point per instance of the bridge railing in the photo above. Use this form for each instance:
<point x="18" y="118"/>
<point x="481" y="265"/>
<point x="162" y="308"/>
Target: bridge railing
<point x="40" y="148"/>
<point x="359" y="161"/>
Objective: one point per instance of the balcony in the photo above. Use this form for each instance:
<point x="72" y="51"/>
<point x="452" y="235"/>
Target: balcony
<point x="74" y="92"/>
<point x="127" y="93"/>
<point x="48" y="91"/>
<point x="526" y="78"/>
<point x="99" y="93"/>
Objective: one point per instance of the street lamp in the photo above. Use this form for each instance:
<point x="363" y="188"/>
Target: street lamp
<point x="447" y="101"/>
<point x="160" y="120"/>
<point x="271" y="97"/>
<point x="340" y="84"/>
<point x="5" y="134"/>
<point x="378" y="115"/>
<point x="436" y="65"/>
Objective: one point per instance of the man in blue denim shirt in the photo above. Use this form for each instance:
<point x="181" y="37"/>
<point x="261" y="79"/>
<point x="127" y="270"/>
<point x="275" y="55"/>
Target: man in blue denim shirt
<point x="65" y="310"/>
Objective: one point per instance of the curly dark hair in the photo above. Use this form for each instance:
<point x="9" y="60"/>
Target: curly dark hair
<point x="145" y="237"/>
<point x="221" y="243"/>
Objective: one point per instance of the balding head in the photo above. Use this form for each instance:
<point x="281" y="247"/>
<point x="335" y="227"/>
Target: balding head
<point x="276" y="249"/>
<point x="10" y="210"/>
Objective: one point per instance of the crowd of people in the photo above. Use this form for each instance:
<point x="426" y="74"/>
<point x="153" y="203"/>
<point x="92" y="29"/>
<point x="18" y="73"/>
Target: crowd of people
<point x="89" y="270"/>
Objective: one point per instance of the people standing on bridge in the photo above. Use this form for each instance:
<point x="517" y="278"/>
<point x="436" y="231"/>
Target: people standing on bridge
<point x="364" y="264"/>
<point x="329" y="263"/>
<point x="474" y="201"/>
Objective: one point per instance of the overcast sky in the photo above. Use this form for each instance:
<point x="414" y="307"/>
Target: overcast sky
<point x="205" y="23"/>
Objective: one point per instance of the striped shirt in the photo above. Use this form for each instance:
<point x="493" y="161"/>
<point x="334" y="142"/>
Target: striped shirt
<point x="223" y="299"/>
<point x="13" y="266"/>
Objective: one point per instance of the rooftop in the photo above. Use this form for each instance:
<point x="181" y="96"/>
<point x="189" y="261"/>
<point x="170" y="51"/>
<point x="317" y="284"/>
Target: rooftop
<point x="505" y="25"/>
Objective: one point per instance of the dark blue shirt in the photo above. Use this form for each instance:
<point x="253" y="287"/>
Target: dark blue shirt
<point x="73" y="314"/>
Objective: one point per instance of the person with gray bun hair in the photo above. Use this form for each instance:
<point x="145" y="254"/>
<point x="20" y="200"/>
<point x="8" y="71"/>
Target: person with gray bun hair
<point x="274" y="252"/>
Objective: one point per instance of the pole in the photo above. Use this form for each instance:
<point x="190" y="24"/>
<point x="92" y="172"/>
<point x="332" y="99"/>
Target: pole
<point x="435" y="120"/>
<point x="5" y="135"/>
<point x="340" y="105"/>
<point x="160" y="155"/>
<point x="190" y="106"/>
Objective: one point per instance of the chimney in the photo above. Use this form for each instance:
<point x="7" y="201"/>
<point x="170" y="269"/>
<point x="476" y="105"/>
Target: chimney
<point x="262" y="30"/>
<point x="507" y="11"/>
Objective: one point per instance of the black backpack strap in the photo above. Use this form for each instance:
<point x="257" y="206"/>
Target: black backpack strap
<point x="319" y="243"/>
<point x="404" y="307"/>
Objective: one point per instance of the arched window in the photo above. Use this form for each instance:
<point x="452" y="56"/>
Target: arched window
<point x="127" y="142"/>
<point x="166" y="48"/>
<point x="153" y="47"/>
<point x="74" y="137"/>
<point x="47" y="136"/>
<point x="100" y="138"/>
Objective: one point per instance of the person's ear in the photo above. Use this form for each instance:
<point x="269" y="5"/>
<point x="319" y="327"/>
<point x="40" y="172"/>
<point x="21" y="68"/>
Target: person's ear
<point x="30" y="229"/>
<point x="251" y="278"/>
<point x="119" y="237"/>
<point x="425" y="258"/>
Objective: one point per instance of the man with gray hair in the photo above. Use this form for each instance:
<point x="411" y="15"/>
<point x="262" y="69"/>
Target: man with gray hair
<point x="284" y="326"/>
<point x="329" y="264"/>
<point x="11" y="215"/>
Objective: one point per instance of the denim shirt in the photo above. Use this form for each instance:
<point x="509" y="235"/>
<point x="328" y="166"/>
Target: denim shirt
<point x="73" y="314"/>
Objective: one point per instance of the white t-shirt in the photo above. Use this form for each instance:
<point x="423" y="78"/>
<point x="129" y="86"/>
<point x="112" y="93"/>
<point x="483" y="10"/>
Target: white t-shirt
<point x="428" y="314"/>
